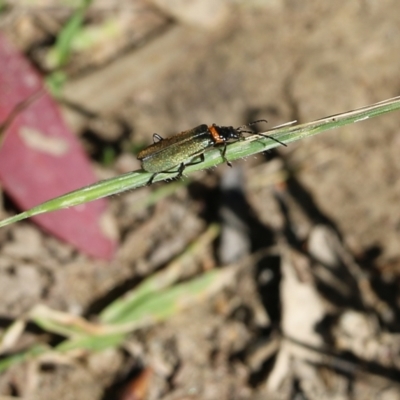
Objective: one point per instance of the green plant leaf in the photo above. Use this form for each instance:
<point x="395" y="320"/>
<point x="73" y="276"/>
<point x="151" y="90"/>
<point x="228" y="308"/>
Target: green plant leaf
<point x="122" y="308"/>
<point x="156" y="307"/>
<point x="13" y="359"/>
<point x="251" y="145"/>
<point x="59" y="54"/>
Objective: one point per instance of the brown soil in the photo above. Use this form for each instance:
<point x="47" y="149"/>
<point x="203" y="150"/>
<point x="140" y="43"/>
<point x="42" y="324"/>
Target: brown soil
<point x="315" y="313"/>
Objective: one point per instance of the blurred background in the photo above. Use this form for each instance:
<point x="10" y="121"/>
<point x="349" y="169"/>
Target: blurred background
<point x="304" y="239"/>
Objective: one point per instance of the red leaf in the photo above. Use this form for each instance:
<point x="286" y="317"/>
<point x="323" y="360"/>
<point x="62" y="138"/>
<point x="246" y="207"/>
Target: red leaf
<point x="40" y="158"/>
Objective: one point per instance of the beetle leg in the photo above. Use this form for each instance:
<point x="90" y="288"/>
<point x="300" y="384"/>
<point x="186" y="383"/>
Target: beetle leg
<point x="180" y="169"/>
<point x="201" y="156"/>
<point x="183" y="166"/>
<point x="150" y="181"/>
<point x="223" y="152"/>
<point x="157" y="138"/>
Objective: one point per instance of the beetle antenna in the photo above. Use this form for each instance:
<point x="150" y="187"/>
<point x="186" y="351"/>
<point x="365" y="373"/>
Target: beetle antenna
<point x="241" y="129"/>
<point x="270" y="137"/>
<point x="257" y="121"/>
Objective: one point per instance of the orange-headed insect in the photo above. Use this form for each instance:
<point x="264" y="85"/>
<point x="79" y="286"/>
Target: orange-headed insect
<point x="180" y="149"/>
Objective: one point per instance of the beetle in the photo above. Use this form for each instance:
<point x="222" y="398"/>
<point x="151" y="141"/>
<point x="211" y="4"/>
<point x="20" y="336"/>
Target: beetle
<point x="165" y="154"/>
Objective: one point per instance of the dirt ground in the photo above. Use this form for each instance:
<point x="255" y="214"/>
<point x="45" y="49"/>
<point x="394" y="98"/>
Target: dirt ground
<point x="311" y="231"/>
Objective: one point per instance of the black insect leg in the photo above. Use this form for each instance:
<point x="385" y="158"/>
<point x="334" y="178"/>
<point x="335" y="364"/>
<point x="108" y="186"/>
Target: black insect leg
<point x="179" y="172"/>
<point x="150" y="181"/>
<point x="223" y="152"/>
<point x="183" y="166"/>
<point x="157" y="138"/>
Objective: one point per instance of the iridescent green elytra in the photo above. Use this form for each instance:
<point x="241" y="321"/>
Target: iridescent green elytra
<point x="165" y="154"/>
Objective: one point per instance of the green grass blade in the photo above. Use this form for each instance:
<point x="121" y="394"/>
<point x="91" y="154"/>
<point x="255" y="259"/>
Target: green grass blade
<point x="96" y="191"/>
<point x="121" y="308"/>
<point x="252" y="145"/>
<point x="59" y="55"/>
<point x="166" y="303"/>
<point x="152" y="309"/>
<point x="13" y="359"/>
<point x="93" y="343"/>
